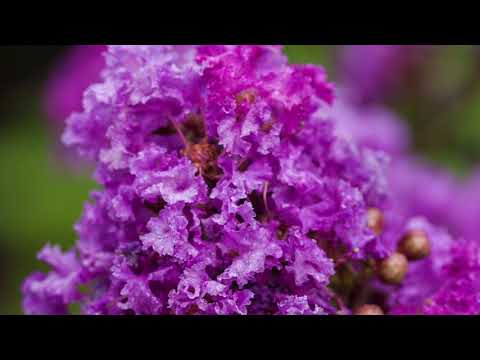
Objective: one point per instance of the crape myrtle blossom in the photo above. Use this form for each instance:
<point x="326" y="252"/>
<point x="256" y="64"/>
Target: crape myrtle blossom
<point x="371" y="73"/>
<point x="78" y="69"/>
<point x="445" y="278"/>
<point x="445" y="199"/>
<point x="227" y="189"/>
<point x="447" y="281"/>
<point x="370" y="125"/>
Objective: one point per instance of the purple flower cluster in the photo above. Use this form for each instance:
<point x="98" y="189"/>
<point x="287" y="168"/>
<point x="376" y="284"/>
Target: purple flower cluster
<point x="447" y="281"/>
<point x="234" y="183"/>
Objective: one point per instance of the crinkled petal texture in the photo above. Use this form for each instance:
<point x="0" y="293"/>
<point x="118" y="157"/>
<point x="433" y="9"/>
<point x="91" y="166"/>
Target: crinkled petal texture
<point x="51" y="294"/>
<point x="226" y="188"/>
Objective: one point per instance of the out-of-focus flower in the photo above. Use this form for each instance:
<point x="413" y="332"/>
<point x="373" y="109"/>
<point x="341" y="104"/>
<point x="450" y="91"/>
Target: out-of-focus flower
<point x="78" y="69"/>
<point x="418" y="188"/>
<point x="372" y="72"/>
<point x="372" y="126"/>
<point x="443" y="278"/>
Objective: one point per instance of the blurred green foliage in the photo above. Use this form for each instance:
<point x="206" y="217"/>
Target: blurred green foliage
<point x="41" y="199"/>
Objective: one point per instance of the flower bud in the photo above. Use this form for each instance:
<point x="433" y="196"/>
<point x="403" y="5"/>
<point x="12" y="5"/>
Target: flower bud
<point x="368" y="309"/>
<point x="393" y="269"/>
<point x="415" y="245"/>
<point x="375" y="220"/>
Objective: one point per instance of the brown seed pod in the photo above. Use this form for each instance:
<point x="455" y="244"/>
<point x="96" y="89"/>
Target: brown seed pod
<point x="375" y="220"/>
<point x="368" y="309"/>
<point x="204" y="158"/>
<point x="248" y="96"/>
<point x="415" y="245"/>
<point x="393" y="269"/>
